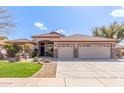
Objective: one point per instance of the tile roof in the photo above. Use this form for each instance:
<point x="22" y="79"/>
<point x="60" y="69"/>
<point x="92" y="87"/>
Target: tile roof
<point x="50" y="35"/>
<point x="79" y="37"/>
<point x="23" y="40"/>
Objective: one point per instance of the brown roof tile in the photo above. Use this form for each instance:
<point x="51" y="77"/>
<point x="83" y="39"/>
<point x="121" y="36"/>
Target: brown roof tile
<point x="79" y="37"/>
<point x="48" y="35"/>
<point x="23" y="40"/>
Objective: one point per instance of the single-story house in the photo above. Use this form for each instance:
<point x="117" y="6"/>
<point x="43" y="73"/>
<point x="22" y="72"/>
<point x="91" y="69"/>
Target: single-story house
<point x="74" y="46"/>
<point x="22" y="42"/>
<point x="2" y="43"/>
<point x="26" y="44"/>
<point x="3" y="52"/>
<point x="120" y="49"/>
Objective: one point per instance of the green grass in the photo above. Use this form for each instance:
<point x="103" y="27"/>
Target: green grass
<point x="23" y="69"/>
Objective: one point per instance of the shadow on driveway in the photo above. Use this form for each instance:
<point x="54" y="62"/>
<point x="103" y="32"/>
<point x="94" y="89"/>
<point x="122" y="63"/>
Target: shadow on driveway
<point x="90" y="60"/>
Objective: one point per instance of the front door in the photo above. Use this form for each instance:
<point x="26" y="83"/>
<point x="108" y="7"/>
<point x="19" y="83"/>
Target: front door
<point x="42" y="50"/>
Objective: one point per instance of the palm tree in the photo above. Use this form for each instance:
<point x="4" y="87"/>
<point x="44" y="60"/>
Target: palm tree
<point x="115" y="30"/>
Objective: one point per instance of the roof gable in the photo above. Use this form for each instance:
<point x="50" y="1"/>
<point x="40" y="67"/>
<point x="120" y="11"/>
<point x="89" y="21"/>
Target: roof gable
<point x="48" y="35"/>
<point x="55" y="33"/>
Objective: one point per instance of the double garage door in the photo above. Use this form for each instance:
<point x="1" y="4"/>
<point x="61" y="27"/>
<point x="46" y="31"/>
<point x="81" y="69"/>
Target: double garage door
<point x="85" y="51"/>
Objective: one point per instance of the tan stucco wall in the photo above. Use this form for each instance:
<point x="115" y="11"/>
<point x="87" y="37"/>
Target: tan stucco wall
<point x="112" y="45"/>
<point x="56" y="44"/>
<point x="40" y="39"/>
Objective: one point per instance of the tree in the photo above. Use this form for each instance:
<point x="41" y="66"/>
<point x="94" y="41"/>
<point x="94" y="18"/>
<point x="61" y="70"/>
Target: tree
<point x="6" y="23"/>
<point x="12" y="49"/>
<point x="114" y="30"/>
<point x="3" y="38"/>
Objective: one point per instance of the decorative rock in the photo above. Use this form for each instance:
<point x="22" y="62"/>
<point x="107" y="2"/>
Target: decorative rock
<point x="46" y="61"/>
<point x="12" y="60"/>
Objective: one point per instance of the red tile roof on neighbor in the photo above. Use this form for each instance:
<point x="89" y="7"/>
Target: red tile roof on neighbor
<point x="23" y="40"/>
<point x="84" y="38"/>
<point x="48" y="35"/>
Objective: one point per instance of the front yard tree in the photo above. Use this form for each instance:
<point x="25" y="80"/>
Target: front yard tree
<point x="6" y="23"/>
<point x="114" y="30"/>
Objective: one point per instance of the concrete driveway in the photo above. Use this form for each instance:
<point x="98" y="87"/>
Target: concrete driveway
<point x="91" y="72"/>
<point x="76" y="73"/>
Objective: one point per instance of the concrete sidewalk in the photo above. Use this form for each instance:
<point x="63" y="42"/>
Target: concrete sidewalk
<point x="62" y="82"/>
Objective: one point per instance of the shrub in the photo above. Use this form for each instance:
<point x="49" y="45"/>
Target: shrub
<point x="12" y="49"/>
<point x="35" y="52"/>
<point x="122" y="53"/>
<point x="12" y="60"/>
<point x="26" y="56"/>
<point x="35" y="59"/>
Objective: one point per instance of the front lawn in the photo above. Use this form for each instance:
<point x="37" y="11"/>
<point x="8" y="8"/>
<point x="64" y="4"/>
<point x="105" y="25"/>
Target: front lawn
<point x="22" y="69"/>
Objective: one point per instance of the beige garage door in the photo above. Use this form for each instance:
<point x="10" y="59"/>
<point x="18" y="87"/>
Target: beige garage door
<point x="65" y="51"/>
<point x="94" y="51"/>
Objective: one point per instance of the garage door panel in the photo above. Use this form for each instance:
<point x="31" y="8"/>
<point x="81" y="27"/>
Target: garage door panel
<point x="94" y="52"/>
<point x="65" y="52"/>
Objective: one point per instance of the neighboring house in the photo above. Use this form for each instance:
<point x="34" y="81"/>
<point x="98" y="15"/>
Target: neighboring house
<point x="3" y="51"/>
<point x="2" y="43"/>
<point x="74" y="46"/>
<point x="119" y="49"/>
<point x="22" y="42"/>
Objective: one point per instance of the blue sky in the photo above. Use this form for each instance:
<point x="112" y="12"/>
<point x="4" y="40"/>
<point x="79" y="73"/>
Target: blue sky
<point x="67" y="20"/>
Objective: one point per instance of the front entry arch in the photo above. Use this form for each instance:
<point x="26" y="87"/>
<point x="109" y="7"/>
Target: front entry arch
<point x="46" y="48"/>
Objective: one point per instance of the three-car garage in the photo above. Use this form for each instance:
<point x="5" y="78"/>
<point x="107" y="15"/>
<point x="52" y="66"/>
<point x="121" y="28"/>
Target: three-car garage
<point x="84" y="51"/>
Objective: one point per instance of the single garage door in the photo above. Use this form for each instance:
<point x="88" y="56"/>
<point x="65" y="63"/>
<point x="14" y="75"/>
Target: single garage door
<point x="94" y="51"/>
<point x="65" y="51"/>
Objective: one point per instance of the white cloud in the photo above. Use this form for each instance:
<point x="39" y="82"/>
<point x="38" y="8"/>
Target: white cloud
<point x="40" y="26"/>
<point x="118" y="12"/>
<point x="60" y="31"/>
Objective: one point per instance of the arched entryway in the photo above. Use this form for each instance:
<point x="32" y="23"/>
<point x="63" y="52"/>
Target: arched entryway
<point x="46" y="48"/>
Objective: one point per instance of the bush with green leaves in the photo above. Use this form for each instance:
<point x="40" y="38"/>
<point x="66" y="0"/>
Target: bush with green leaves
<point x="122" y="53"/>
<point x="12" y="50"/>
<point x="35" y="59"/>
<point x="35" y="52"/>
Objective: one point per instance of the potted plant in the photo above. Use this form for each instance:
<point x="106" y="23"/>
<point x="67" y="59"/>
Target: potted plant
<point x="122" y="55"/>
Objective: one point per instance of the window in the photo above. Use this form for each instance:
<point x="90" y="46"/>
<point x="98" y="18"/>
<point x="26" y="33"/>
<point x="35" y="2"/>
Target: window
<point x="67" y="45"/>
<point x="88" y="45"/>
